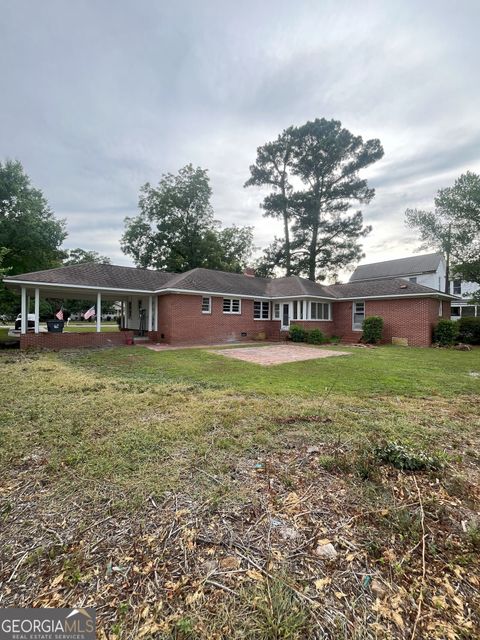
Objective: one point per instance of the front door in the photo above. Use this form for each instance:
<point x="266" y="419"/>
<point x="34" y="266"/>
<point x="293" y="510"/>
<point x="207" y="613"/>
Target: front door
<point x="285" y="315"/>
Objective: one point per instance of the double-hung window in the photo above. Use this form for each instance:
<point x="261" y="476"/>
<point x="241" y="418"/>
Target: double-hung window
<point x="231" y="305"/>
<point x="206" y="305"/>
<point x="261" y="310"/>
<point x="457" y="287"/>
<point x="276" y="311"/>
<point x="319" y="311"/>
<point x="358" y="315"/>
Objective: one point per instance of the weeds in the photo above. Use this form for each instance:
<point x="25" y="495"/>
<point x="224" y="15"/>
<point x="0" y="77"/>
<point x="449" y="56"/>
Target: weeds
<point x="405" y="459"/>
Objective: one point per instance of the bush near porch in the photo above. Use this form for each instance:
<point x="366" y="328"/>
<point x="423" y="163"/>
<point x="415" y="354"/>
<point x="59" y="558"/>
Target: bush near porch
<point x="469" y="330"/>
<point x="187" y="495"/>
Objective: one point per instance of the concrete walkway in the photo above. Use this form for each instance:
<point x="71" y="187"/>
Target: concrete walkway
<point x="278" y="354"/>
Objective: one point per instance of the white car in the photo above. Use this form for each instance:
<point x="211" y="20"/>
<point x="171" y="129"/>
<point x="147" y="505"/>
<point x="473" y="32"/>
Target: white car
<point x="30" y="322"/>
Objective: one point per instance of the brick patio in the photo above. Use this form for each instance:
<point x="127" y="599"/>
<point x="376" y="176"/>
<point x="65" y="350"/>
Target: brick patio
<point x="278" y="354"/>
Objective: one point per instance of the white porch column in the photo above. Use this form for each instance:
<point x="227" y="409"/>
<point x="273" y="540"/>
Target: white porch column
<point x="24" y="312"/>
<point x="37" y="310"/>
<point x="99" y="312"/>
<point x="150" y="313"/>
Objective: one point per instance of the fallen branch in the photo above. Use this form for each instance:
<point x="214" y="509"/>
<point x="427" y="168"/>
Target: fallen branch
<point x="422" y="587"/>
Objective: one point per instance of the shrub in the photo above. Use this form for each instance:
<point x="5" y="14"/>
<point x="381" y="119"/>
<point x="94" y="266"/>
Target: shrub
<point x="335" y="339"/>
<point x="372" y="329"/>
<point x="446" y="332"/>
<point x="469" y="330"/>
<point x="297" y="333"/>
<point x="405" y="459"/>
<point x="315" y="336"/>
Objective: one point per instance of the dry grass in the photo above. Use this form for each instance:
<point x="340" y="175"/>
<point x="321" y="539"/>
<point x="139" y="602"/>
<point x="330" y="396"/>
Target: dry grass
<point x="183" y="509"/>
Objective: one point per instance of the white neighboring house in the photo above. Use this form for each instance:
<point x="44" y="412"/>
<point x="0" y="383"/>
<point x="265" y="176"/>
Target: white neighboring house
<point x="428" y="269"/>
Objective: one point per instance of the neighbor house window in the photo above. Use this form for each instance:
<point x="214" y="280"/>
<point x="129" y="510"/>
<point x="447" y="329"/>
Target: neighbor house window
<point x="261" y="310"/>
<point x="358" y="315"/>
<point x="413" y="279"/>
<point x="206" y="305"/>
<point x="319" y="311"/>
<point x="455" y="312"/>
<point x="231" y="305"/>
<point x="468" y="312"/>
<point x="457" y="287"/>
<point x="276" y="311"/>
<point x="129" y="311"/>
<point x="298" y="309"/>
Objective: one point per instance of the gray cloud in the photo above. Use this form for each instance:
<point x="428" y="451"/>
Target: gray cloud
<point x="99" y="98"/>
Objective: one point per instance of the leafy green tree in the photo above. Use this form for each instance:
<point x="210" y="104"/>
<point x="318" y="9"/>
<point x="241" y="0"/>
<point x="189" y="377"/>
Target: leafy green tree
<point x="28" y="227"/>
<point x="271" y="169"/>
<point x="29" y="231"/>
<point x="176" y="231"/>
<point x="327" y="159"/>
<point x="232" y="248"/>
<point x="3" y="253"/>
<point x="313" y="171"/>
<point x="82" y="256"/>
<point x="453" y="227"/>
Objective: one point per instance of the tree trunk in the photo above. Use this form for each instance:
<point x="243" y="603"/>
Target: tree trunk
<point x="447" y="265"/>
<point x="312" y="258"/>
<point x="287" y="244"/>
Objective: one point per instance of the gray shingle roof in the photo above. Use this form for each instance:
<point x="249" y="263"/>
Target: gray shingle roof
<point x="91" y="274"/>
<point x="426" y="263"/>
<point x="386" y="287"/>
<point x="106" y="276"/>
<point x="213" y="281"/>
<point x="296" y="286"/>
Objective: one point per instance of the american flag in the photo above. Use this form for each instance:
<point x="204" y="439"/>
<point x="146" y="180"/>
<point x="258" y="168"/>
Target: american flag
<point x="59" y="314"/>
<point x="88" y="314"/>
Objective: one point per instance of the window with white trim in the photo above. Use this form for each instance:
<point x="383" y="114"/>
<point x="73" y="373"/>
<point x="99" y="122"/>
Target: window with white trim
<point x="440" y="308"/>
<point x="298" y="309"/>
<point x="320" y="311"/>
<point x="455" y="311"/>
<point x="231" y="305"/>
<point x="206" y="305"/>
<point x="358" y="315"/>
<point x="457" y="287"/>
<point x="276" y="311"/>
<point x="413" y="279"/>
<point x="261" y="310"/>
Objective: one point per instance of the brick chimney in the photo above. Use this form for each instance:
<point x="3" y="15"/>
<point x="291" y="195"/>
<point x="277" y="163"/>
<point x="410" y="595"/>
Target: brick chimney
<point x="249" y="271"/>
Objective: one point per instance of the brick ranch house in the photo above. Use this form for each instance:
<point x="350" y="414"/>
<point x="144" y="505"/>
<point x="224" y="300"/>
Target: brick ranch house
<point x="204" y="306"/>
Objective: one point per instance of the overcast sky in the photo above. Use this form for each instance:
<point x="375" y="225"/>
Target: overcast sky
<point x="100" y="96"/>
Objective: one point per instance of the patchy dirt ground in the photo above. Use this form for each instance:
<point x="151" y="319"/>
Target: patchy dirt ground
<point x="404" y="560"/>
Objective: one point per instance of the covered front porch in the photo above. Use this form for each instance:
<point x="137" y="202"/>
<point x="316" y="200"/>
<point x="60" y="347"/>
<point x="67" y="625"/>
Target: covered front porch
<point x="137" y="317"/>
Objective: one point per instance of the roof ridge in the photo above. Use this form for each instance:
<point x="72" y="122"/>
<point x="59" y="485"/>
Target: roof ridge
<point x="417" y="255"/>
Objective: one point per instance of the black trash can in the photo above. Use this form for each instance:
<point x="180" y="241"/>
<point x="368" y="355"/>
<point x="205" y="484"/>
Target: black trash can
<point x="55" y="326"/>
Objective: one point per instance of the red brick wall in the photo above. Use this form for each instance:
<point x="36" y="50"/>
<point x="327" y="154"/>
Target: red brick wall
<point x="410" y="318"/>
<point x="180" y="320"/>
<point x="56" y="341"/>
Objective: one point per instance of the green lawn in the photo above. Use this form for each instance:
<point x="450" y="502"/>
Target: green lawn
<point x="4" y="334"/>
<point x="81" y="327"/>
<point x="386" y="370"/>
<point x="184" y="493"/>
